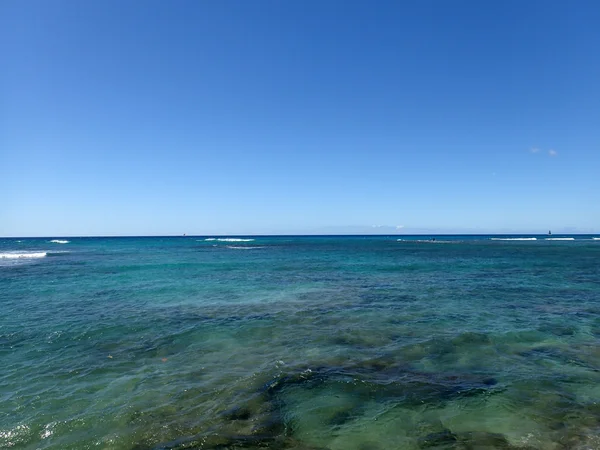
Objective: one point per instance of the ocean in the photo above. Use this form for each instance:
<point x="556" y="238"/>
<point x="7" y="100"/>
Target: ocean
<point x="327" y="342"/>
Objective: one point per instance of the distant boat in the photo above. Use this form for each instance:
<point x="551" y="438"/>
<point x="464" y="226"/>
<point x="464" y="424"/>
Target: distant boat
<point x="549" y="233"/>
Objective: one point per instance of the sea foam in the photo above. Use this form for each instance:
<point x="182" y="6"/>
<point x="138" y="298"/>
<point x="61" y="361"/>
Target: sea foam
<point x="429" y="241"/>
<point x="513" y="239"/>
<point x="60" y="241"/>
<point x="229" y="239"/>
<point x="560" y="239"/>
<point x="247" y="247"/>
<point x="17" y="255"/>
<point x="234" y="240"/>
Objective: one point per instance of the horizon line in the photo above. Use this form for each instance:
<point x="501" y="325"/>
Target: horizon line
<point x="290" y="235"/>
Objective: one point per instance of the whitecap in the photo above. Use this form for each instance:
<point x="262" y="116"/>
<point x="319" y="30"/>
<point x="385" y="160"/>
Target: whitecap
<point x="560" y="239"/>
<point x="595" y="239"/>
<point x="437" y="241"/>
<point x="237" y="247"/>
<point x="60" y="241"/>
<point x="209" y="239"/>
<point x="513" y="239"/>
<point x="19" y="255"/>
<point x="429" y="241"/>
<point x="234" y="240"/>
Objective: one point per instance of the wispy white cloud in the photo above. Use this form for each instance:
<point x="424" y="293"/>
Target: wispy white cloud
<point x="550" y="152"/>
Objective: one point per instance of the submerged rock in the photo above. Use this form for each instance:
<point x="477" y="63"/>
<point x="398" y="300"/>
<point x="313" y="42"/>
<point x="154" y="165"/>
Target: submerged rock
<point x="335" y="396"/>
<point x="558" y="329"/>
<point x="237" y="413"/>
<point x="476" y="440"/>
<point x="218" y="442"/>
<point x="484" y="439"/>
<point x="470" y="338"/>
<point x="442" y="439"/>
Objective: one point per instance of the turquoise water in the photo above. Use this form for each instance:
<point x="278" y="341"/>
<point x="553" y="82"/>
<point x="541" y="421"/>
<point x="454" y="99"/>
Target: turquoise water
<point x="300" y="342"/>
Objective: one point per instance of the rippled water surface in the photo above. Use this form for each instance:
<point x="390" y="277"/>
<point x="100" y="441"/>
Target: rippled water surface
<point x="300" y="343"/>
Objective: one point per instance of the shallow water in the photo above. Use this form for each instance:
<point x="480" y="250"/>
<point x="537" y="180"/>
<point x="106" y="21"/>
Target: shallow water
<point x="300" y="342"/>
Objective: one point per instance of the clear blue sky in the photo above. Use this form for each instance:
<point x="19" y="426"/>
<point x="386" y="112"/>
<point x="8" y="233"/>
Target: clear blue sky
<point x="160" y="117"/>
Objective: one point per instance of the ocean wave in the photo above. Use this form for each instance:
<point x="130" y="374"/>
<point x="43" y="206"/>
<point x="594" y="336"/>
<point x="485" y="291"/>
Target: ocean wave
<point x="234" y="240"/>
<point x="429" y="241"/>
<point x="245" y="247"/>
<point x="560" y="239"/>
<point x="22" y="255"/>
<point x="513" y="239"/>
<point x="226" y="240"/>
<point x="595" y="239"/>
<point x="60" y="241"/>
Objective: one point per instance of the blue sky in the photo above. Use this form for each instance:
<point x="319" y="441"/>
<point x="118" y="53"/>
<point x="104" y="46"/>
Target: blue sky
<point x="264" y="116"/>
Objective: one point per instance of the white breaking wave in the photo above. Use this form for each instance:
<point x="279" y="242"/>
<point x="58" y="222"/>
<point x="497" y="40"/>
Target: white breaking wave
<point x="59" y="241"/>
<point x="429" y="241"/>
<point x="237" y="247"/>
<point x="17" y="255"/>
<point x="234" y="240"/>
<point x="595" y="239"/>
<point x="560" y="239"/>
<point x="228" y="239"/>
<point x="513" y="239"/>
